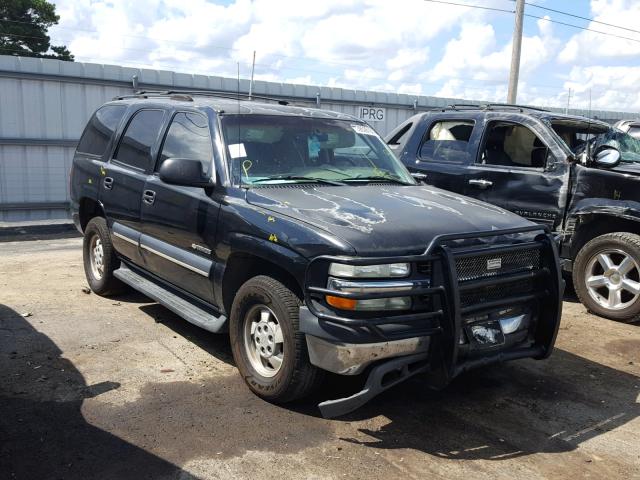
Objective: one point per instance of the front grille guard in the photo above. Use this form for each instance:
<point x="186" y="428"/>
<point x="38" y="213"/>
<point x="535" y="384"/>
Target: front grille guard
<point x="447" y="320"/>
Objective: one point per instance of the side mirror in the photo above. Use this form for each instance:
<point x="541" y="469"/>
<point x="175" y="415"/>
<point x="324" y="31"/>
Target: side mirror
<point x="185" y="172"/>
<point x="607" y="157"/>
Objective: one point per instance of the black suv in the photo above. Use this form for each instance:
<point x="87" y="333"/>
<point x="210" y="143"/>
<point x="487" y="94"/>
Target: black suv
<point x="299" y="232"/>
<point x="580" y="177"/>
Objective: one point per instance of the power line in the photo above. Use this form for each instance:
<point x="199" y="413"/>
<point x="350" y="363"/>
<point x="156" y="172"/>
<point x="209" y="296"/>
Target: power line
<point x="581" y="18"/>
<point x="581" y="28"/>
<point x="539" y="18"/>
<point x="471" y="6"/>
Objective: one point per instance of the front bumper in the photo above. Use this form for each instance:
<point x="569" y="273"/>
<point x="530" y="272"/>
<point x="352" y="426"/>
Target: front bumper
<point x="353" y="358"/>
<point x="445" y="311"/>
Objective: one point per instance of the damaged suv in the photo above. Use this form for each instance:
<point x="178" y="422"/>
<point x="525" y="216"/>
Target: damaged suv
<point x="577" y="176"/>
<point x="298" y="232"/>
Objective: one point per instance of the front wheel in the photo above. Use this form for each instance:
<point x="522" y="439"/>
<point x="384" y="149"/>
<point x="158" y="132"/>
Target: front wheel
<point x="606" y="276"/>
<point x="100" y="258"/>
<point x="267" y="346"/>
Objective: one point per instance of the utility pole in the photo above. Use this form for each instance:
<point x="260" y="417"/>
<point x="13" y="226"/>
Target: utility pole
<point x="515" y="53"/>
<point x="566" y="110"/>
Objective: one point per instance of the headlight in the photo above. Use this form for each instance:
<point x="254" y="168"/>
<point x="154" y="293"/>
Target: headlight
<point x="391" y="303"/>
<point x="370" y="271"/>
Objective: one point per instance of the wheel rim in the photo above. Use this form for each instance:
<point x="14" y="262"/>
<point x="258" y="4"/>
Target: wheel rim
<point x="96" y="257"/>
<point x="613" y="279"/>
<point x="263" y="340"/>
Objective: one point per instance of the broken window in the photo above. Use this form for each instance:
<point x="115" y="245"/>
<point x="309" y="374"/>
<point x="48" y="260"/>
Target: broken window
<point x="513" y="145"/>
<point x="447" y="141"/>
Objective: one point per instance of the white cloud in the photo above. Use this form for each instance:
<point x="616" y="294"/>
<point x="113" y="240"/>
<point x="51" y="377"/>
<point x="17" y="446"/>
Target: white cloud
<point x="411" y="47"/>
<point x="586" y="47"/>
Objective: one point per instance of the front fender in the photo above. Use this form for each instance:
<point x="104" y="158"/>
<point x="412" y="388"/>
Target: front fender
<point x="627" y="209"/>
<point x="265" y="249"/>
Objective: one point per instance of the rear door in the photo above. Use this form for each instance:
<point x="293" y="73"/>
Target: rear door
<point x="520" y="167"/>
<point x="179" y="223"/>
<point x="124" y="177"/>
<point x="444" y="150"/>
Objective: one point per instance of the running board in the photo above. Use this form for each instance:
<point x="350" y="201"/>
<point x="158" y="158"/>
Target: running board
<point x="381" y="378"/>
<point x="177" y="304"/>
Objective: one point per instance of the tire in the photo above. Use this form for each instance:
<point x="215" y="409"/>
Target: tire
<point x="295" y="377"/>
<point x="622" y="249"/>
<point x="101" y="283"/>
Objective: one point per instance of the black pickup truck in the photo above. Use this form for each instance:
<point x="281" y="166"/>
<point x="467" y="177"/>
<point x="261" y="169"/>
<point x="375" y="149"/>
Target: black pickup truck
<point x="579" y="177"/>
<point x="299" y="233"/>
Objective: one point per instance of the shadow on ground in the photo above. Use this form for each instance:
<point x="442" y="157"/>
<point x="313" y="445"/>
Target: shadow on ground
<point x="43" y="433"/>
<point x="504" y="411"/>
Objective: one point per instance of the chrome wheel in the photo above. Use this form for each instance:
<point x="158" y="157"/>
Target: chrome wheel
<point x="96" y="256"/>
<point x="613" y="279"/>
<point x="263" y="340"/>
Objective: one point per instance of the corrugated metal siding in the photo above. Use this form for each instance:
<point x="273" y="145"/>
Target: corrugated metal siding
<point x="45" y="104"/>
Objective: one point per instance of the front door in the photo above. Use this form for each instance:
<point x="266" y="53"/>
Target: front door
<point x="179" y="223"/>
<point x="123" y="181"/>
<point x="517" y="169"/>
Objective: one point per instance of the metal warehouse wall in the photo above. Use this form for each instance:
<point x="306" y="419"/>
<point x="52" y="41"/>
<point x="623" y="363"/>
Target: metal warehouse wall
<point x="44" y="105"/>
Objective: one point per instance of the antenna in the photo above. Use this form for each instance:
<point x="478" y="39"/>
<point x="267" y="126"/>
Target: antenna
<point x="253" y="67"/>
<point x="589" y="130"/>
<point x="238" y="121"/>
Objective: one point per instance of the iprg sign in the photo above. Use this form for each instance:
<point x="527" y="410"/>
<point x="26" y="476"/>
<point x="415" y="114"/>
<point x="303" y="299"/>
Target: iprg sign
<point x="372" y="114"/>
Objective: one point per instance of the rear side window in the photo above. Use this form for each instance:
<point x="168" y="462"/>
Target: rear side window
<point x="100" y="129"/>
<point x="138" y="139"/>
<point x="447" y="141"/>
<point x="399" y="138"/>
<point x="188" y="137"/>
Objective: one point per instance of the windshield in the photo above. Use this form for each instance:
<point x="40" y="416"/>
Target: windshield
<point x="576" y="136"/>
<point x="268" y="149"/>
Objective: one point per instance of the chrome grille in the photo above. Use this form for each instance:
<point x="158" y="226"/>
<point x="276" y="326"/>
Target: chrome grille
<point x="486" y="265"/>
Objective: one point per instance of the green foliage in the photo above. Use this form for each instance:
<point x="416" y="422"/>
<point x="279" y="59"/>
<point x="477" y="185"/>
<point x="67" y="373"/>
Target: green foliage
<point x="23" y="29"/>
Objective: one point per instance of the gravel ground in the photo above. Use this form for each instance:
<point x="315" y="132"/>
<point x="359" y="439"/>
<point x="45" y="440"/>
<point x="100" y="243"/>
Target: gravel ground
<point x="121" y="388"/>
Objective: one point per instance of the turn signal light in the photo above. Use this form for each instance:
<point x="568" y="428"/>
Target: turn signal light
<point x="341" y="303"/>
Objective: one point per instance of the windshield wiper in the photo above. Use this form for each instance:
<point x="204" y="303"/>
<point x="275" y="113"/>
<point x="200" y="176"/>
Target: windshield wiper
<point x="300" y="178"/>
<point x="379" y="178"/>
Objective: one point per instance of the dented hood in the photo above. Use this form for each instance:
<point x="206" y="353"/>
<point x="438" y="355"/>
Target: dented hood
<point x="383" y="220"/>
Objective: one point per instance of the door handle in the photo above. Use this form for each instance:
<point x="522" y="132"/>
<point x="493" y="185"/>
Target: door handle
<point x="148" y="197"/>
<point x="480" y="182"/>
<point x="108" y="183"/>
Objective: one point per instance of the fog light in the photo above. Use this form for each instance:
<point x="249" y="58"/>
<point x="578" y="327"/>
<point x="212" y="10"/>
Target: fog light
<point x="511" y="324"/>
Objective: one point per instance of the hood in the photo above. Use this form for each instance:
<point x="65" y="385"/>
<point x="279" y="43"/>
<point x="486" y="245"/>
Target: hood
<point x="384" y="220"/>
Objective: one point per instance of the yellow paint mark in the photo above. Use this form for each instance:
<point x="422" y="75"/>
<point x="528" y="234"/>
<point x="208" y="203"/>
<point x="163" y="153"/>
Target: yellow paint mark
<point x="246" y="166"/>
<point x="89" y="181"/>
<point x="103" y="172"/>
<point x="270" y="219"/>
<point x="273" y="238"/>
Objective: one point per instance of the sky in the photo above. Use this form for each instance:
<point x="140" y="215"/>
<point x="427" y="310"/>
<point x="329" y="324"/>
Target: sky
<point x="418" y="47"/>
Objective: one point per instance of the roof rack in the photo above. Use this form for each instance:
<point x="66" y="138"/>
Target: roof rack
<point x="187" y="95"/>
<point x="494" y="106"/>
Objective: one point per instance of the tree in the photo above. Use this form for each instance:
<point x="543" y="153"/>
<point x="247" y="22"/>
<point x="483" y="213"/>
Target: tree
<point x="23" y="29"/>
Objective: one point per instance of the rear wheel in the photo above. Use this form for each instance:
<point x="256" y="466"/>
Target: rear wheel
<point x="606" y="276"/>
<point x="268" y="348"/>
<point x="100" y="258"/>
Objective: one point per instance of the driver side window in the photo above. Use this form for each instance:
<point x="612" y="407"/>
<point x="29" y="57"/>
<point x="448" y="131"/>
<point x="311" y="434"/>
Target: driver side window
<point x="188" y="137"/>
<point x="513" y="145"/>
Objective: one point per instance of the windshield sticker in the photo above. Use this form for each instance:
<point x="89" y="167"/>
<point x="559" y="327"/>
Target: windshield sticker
<point x="362" y="129"/>
<point x="236" y="150"/>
